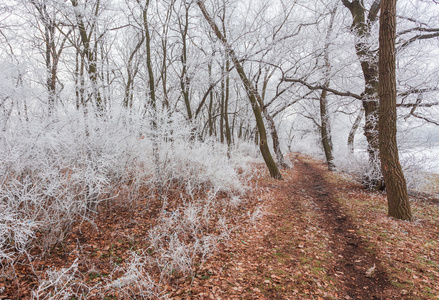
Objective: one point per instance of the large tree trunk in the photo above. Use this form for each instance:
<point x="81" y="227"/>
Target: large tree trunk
<point x="398" y="203"/>
<point x="253" y="96"/>
<point x="361" y="25"/>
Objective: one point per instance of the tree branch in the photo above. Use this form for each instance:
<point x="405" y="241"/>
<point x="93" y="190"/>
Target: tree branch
<point x="418" y="29"/>
<point x="416" y="38"/>
<point x="373" y="12"/>
<point x="425" y="119"/>
<point x="407" y="105"/>
<point x="321" y="87"/>
<point x="347" y="4"/>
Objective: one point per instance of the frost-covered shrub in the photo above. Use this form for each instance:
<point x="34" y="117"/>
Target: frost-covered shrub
<point x="417" y="167"/>
<point x="185" y="160"/>
<point x="65" y="283"/>
<point x="15" y="232"/>
<point x="188" y="234"/>
<point x="135" y="279"/>
<point x="51" y="175"/>
<point x="358" y="165"/>
<point x="56" y="171"/>
<point x="413" y="165"/>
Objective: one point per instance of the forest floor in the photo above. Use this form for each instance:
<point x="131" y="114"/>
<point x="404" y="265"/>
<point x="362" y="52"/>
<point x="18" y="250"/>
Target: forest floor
<point x="321" y="236"/>
<point x="324" y="237"/>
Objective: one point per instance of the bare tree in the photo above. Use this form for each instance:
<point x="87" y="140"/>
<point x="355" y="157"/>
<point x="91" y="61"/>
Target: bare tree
<point x="252" y="94"/>
<point x="90" y="47"/>
<point x="325" y="124"/>
<point x="54" y="45"/>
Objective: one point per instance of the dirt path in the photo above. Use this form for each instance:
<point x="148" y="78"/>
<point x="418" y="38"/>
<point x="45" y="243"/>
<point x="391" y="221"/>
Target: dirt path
<point x="305" y="247"/>
<point x="358" y="270"/>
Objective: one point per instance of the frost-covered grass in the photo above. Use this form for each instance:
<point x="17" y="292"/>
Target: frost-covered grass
<point x="55" y="172"/>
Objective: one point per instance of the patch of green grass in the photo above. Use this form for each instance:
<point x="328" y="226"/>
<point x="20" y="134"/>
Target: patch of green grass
<point x="429" y="293"/>
<point x="318" y="270"/>
<point x="430" y="262"/>
<point x="304" y="260"/>
<point x="282" y="257"/>
<point x="279" y="272"/>
<point x="398" y="285"/>
<point x="94" y="275"/>
<point x="280" y="254"/>
<point x="118" y="260"/>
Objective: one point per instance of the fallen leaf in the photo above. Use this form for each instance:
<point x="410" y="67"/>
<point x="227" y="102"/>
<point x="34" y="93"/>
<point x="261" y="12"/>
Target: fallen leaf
<point x="370" y="272"/>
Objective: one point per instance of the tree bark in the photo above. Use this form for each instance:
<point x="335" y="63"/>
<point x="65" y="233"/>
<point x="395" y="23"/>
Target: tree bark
<point x="184" y="77"/>
<point x="148" y="55"/>
<point x="353" y="130"/>
<point x="253" y="95"/>
<point x="222" y="117"/>
<point x="325" y="125"/>
<point x="226" y="104"/>
<point x="271" y="124"/>
<point x="325" y="131"/>
<point x="131" y="74"/>
<point x="397" y="199"/>
<point x="361" y="25"/>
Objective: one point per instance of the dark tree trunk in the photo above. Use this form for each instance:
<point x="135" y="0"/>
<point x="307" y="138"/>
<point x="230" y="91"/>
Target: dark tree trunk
<point x="148" y="56"/>
<point x="226" y="105"/>
<point x="397" y="199"/>
<point x="361" y="25"/>
<point x="222" y="113"/>
<point x="184" y="77"/>
<point x="131" y="74"/>
<point x="275" y="138"/>
<point x="209" y="112"/>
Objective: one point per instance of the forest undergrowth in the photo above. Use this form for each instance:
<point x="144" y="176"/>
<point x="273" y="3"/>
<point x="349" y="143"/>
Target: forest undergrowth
<point x="105" y="209"/>
<point x="95" y="209"/>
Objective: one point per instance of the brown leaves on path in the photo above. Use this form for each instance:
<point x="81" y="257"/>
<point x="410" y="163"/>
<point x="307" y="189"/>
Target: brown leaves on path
<point x="318" y="240"/>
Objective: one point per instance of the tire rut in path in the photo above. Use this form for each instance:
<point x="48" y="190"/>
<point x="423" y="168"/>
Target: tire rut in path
<point x="353" y="261"/>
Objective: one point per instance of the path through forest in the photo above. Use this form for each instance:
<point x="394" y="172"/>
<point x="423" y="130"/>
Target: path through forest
<point x="305" y="247"/>
<point x="319" y="235"/>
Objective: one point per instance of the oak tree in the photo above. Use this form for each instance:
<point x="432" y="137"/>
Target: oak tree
<point x="398" y="203"/>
